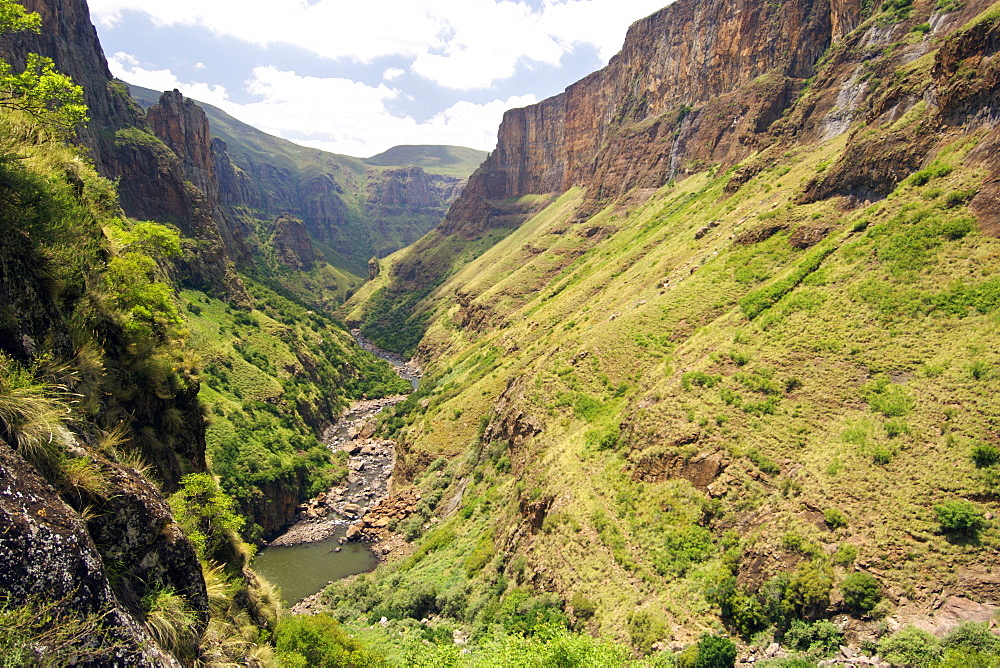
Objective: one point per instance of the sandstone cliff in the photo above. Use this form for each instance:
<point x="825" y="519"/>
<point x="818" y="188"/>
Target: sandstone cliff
<point x="696" y="82"/>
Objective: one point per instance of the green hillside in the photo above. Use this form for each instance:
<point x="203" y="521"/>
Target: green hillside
<point x="451" y="160"/>
<point x="652" y="425"/>
<point x="727" y="405"/>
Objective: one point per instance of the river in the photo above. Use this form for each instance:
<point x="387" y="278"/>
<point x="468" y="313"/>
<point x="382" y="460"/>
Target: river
<point x="315" y="550"/>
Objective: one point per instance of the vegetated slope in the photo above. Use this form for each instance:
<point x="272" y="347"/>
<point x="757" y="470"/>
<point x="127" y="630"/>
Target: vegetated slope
<point x="662" y="405"/>
<point x="352" y="208"/>
<point x="117" y="545"/>
<point x="451" y="160"/>
<point x="99" y="424"/>
<point x="273" y="379"/>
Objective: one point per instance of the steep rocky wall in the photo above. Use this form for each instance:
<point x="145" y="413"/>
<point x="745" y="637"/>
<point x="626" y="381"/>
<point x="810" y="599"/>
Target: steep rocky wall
<point x="735" y="64"/>
<point x="183" y="126"/>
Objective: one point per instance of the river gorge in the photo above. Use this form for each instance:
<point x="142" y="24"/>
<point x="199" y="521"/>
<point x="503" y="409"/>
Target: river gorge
<point x="335" y="534"/>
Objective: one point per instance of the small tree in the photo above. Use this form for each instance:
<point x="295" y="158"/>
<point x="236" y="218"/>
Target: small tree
<point x="861" y="592"/>
<point x="38" y="89"/>
<point x="715" y="652"/>
<point x="910" y="646"/>
<point x="205" y="513"/>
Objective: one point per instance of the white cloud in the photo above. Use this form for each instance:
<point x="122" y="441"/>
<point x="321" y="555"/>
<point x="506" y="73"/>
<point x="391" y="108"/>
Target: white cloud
<point x="456" y="43"/>
<point x="337" y="115"/>
<point x="127" y="67"/>
<point x="200" y="66"/>
<point x="393" y="73"/>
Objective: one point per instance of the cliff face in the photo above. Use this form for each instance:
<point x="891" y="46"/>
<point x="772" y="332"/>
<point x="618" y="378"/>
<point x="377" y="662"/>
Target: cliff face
<point x="183" y="126"/>
<point x="403" y="204"/>
<point x="291" y="243"/>
<point x="695" y="81"/>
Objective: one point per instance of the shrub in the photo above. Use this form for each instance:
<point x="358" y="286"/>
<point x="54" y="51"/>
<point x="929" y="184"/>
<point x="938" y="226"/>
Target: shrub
<point x="980" y="370"/>
<point x="319" y="640"/>
<point x="985" y="455"/>
<point x="763" y="462"/>
<point x="205" y="513"/>
<point x="699" y="378"/>
<point x="894" y="428"/>
<point x="910" y="646"/>
<point x="809" y="588"/>
<point x="818" y="639"/>
<point x="715" y="652"/>
<point x="582" y="606"/>
<point x="835" y="519"/>
<point x="645" y="628"/>
<point x="958" y="197"/>
<point x="936" y="169"/>
<point x="960" y="518"/>
<point x="861" y="591"/>
<point x="845" y="555"/>
<point x="739" y="358"/>
<point x="973" y="637"/>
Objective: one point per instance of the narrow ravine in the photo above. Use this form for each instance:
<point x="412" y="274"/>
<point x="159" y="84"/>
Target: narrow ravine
<point x="329" y="540"/>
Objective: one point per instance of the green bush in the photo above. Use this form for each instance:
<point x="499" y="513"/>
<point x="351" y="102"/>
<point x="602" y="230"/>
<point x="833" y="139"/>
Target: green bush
<point x="582" y="606"/>
<point x="818" y="639"/>
<point x="715" y="652"/>
<point x="319" y="640"/>
<point x="845" y="555"/>
<point x="834" y="518"/>
<point x="699" y="378"/>
<point x="937" y="169"/>
<point x="646" y="627"/>
<point x="809" y="588"/>
<point x="861" y="591"/>
<point x="985" y="454"/>
<point x="910" y="646"/>
<point x="960" y="518"/>
<point x="205" y="513"/>
<point x="974" y="638"/>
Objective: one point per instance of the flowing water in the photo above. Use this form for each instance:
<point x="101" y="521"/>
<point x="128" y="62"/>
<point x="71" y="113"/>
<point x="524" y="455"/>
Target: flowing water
<point x="303" y="569"/>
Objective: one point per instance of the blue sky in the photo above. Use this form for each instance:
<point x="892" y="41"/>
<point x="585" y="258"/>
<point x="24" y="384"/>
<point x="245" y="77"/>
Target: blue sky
<point x="360" y="77"/>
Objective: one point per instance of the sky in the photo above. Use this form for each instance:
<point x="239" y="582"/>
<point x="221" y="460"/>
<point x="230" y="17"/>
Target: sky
<point x="359" y="77"/>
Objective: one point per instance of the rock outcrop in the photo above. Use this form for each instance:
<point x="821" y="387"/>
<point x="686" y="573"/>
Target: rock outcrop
<point x="291" y="243"/>
<point x="183" y="127"/>
<point x="47" y="554"/>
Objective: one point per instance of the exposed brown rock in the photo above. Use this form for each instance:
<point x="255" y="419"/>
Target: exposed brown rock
<point x="805" y="236"/>
<point x="760" y="233"/>
<point x="292" y="244"/>
<point x="693" y="81"/>
<point x="509" y="421"/>
<point x="700" y="470"/>
<point x="47" y="554"/>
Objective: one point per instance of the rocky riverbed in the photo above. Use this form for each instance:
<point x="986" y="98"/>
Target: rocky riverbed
<point x="370" y="464"/>
<point x="407" y="369"/>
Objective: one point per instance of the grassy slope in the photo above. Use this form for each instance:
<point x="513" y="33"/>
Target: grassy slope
<point x="448" y="160"/>
<point x="863" y="389"/>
